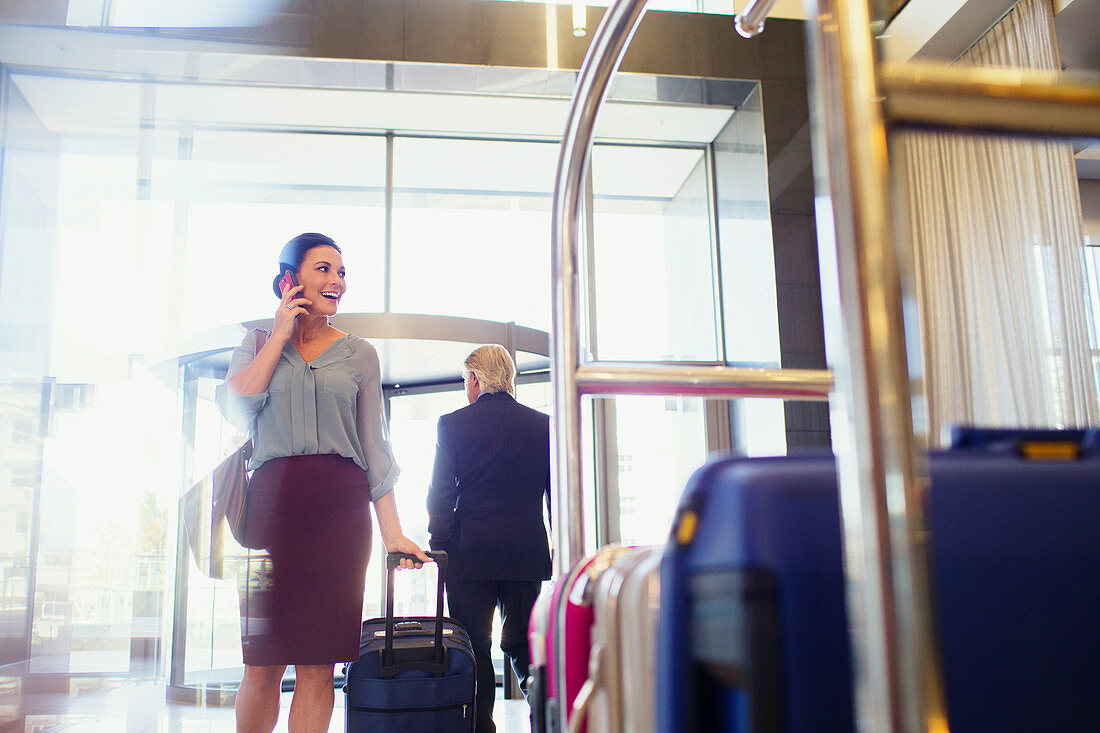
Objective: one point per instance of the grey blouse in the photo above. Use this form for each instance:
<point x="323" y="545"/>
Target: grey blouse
<point x="331" y="405"/>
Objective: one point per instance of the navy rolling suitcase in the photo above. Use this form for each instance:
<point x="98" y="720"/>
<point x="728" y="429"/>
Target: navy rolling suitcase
<point x="415" y="674"/>
<point x="753" y="630"/>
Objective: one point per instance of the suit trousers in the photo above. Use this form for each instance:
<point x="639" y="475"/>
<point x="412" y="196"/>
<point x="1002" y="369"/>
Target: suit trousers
<point x="471" y="603"/>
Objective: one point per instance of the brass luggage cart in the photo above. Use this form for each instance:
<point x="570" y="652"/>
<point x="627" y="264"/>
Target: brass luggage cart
<point x="858" y="102"/>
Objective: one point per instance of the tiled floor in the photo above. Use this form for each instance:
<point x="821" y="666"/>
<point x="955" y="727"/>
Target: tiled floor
<point x="141" y="708"/>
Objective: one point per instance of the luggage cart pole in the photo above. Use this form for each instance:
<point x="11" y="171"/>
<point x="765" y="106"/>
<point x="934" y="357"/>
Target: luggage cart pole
<point x="899" y="679"/>
<point x="898" y="683"/>
<point x="570" y="379"/>
<point x="609" y="42"/>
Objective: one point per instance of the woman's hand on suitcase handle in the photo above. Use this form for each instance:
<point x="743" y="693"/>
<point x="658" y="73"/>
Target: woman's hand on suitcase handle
<point x="389" y="525"/>
<point x="403" y="545"/>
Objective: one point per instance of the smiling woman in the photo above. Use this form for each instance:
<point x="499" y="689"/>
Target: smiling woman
<point x="320" y="457"/>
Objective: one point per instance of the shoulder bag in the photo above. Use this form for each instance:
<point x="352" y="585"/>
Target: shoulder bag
<point x="230" y="479"/>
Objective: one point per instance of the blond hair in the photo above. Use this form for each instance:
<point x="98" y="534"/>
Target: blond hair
<point x="493" y="367"/>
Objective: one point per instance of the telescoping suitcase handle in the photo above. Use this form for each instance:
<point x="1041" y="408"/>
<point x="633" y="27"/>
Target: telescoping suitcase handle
<point x="437" y="666"/>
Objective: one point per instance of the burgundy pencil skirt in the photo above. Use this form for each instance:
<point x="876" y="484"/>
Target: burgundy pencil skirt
<point x="302" y="599"/>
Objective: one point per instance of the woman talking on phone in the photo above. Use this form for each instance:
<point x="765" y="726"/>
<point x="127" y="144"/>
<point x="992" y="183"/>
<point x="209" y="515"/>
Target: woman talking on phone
<point x="312" y="397"/>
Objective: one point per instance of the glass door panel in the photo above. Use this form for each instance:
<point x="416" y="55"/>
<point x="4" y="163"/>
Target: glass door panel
<point x="412" y="432"/>
<point x="413" y="419"/>
<point x="213" y="646"/>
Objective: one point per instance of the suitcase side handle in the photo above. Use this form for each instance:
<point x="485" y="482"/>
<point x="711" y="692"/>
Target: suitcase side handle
<point x="388" y="668"/>
<point x="1030" y="443"/>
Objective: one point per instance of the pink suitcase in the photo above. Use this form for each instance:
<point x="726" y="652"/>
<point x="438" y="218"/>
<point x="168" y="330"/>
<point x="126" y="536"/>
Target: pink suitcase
<point x="576" y="591"/>
<point x="542" y="636"/>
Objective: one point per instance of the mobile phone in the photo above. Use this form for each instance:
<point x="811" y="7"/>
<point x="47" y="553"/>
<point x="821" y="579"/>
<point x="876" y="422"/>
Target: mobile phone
<point x="287" y="281"/>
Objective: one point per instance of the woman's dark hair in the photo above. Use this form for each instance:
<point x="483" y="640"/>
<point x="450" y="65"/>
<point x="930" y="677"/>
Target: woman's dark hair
<point x="294" y="251"/>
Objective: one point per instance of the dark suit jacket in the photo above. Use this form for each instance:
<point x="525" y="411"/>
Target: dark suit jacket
<point x="489" y="482"/>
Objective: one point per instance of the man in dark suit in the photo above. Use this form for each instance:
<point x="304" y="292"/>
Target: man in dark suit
<point x="489" y="482"/>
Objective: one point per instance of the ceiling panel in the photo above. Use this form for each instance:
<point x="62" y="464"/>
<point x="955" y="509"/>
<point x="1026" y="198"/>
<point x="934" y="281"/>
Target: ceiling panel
<point x="75" y="105"/>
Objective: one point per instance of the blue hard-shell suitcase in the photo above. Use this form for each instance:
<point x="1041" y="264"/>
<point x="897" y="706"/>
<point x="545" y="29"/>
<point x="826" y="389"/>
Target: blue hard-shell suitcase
<point x="753" y="629"/>
<point x="415" y="674"/>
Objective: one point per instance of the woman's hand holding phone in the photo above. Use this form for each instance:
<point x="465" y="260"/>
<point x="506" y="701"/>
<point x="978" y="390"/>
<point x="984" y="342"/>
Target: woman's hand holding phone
<point x="290" y="307"/>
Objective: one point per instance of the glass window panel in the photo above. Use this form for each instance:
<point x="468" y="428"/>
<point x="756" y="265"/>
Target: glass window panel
<point x="1092" y="268"/>
<point x="538" y="396"/>
<point x="223" y="235"/>
<point x="653" y="262"/>
<point x="21" y="442"/>
<point x="232" y="251"/>
<point x="413" y="421"/>
<point x="661" y="441"/>
<point x="1089" y="160"/>
<point x="470" y="225"/>
<point x="105" y="508"/>
<point x="745" y="237"/>
<point x="760" y="427"/>
<point x="465" y="166"/>
<point x="276" y="160"/>
<point x="28" y="191"/>
<point x="108" y="479"/>
<point x="110" y="258"/>
<point x="248" y="193"/>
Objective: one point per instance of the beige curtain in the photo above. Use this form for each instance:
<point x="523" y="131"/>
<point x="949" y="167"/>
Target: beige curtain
<point x="998" y="261"/>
